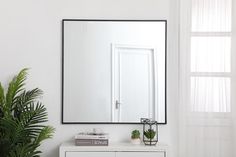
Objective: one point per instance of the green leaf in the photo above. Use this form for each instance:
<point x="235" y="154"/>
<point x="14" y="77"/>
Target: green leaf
<point x="46" y="132"/>
<point x="15" y="86"/>
<point x="24" y="99"/>
<point x="150" y="133"/>
<point x="2" y="101"/>
<point x="135" y="134"/>
<point x="2" y="97"/>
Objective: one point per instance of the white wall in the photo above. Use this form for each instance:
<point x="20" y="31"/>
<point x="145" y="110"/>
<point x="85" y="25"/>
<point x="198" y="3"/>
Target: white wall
<point x="30" y="36"/>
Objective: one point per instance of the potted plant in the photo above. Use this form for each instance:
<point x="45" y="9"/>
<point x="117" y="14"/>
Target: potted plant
<point x="22" y="118"/>
<point x="149" y="135"/>
<point x="135" y="137"/>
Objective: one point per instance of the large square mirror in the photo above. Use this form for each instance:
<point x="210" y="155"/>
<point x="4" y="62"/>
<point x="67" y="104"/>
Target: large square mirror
<point x="113" y="71"/>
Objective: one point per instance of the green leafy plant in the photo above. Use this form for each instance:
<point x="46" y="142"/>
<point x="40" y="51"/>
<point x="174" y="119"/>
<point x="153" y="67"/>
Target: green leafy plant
<point x="135" y="134"/>
<point x="22" y="119"/>
<point x="149" y="134"/>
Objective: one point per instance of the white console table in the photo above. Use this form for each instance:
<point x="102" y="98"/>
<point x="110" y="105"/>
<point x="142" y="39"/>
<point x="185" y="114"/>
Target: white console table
<point x="113" y="150"/>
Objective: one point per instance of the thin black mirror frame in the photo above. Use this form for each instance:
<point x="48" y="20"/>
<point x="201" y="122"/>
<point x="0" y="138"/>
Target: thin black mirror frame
<point x="62" y="81"/>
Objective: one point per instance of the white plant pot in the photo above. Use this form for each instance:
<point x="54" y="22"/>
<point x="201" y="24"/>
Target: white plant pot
<point x="136" y="141"/>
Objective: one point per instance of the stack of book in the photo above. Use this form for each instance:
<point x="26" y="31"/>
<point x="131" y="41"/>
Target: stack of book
<point x="91" y="139"/>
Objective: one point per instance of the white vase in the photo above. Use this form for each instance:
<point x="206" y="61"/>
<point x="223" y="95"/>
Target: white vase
<point x="136" y="141"/>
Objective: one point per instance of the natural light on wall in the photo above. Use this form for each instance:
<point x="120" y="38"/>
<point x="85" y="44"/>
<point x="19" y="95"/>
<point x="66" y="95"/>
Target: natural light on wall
<point x="210" y="63"/>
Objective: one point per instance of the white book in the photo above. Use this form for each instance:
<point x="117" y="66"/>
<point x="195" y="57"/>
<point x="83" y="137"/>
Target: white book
<point x="91" y="142"/>
<point x="90" y="136"/>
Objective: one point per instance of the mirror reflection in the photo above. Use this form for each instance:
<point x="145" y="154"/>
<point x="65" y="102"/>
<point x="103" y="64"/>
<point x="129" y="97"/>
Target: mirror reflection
<point x="113" y="71"/>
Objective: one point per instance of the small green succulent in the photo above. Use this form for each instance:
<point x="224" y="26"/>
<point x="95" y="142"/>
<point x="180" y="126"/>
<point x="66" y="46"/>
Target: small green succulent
<point x="149" y="134"/>
<point x="135" y="134"/>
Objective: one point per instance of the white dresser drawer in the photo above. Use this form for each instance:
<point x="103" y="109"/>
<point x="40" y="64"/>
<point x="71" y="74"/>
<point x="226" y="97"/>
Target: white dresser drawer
<point x="140" y="154"/>
<point x="90" y="154"/>
<point x="113" y="150"/>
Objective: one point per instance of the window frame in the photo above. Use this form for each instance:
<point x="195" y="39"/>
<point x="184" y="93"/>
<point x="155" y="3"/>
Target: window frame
<point x="185" y="47"/>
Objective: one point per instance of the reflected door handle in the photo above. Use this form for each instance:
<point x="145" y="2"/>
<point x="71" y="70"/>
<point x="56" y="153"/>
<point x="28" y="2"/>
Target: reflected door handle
<point x="117" y="104"/>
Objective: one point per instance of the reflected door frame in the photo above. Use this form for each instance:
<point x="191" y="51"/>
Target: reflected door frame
<point x="116" y="85"/>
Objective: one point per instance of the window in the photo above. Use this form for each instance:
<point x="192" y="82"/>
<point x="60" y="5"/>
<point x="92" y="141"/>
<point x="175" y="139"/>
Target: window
<point x="210" y="57"/>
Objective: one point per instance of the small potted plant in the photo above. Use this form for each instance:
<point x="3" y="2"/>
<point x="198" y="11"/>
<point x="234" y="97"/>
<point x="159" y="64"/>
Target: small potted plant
<point x="149" y="135"/>
<point x="135" y="137"/>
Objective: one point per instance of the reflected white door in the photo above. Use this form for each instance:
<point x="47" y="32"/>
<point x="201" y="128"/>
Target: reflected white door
<point x="133" y="83"/>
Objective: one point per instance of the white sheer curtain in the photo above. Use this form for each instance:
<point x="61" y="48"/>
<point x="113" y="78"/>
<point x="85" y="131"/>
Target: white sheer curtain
<point x="206" y="78"/>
